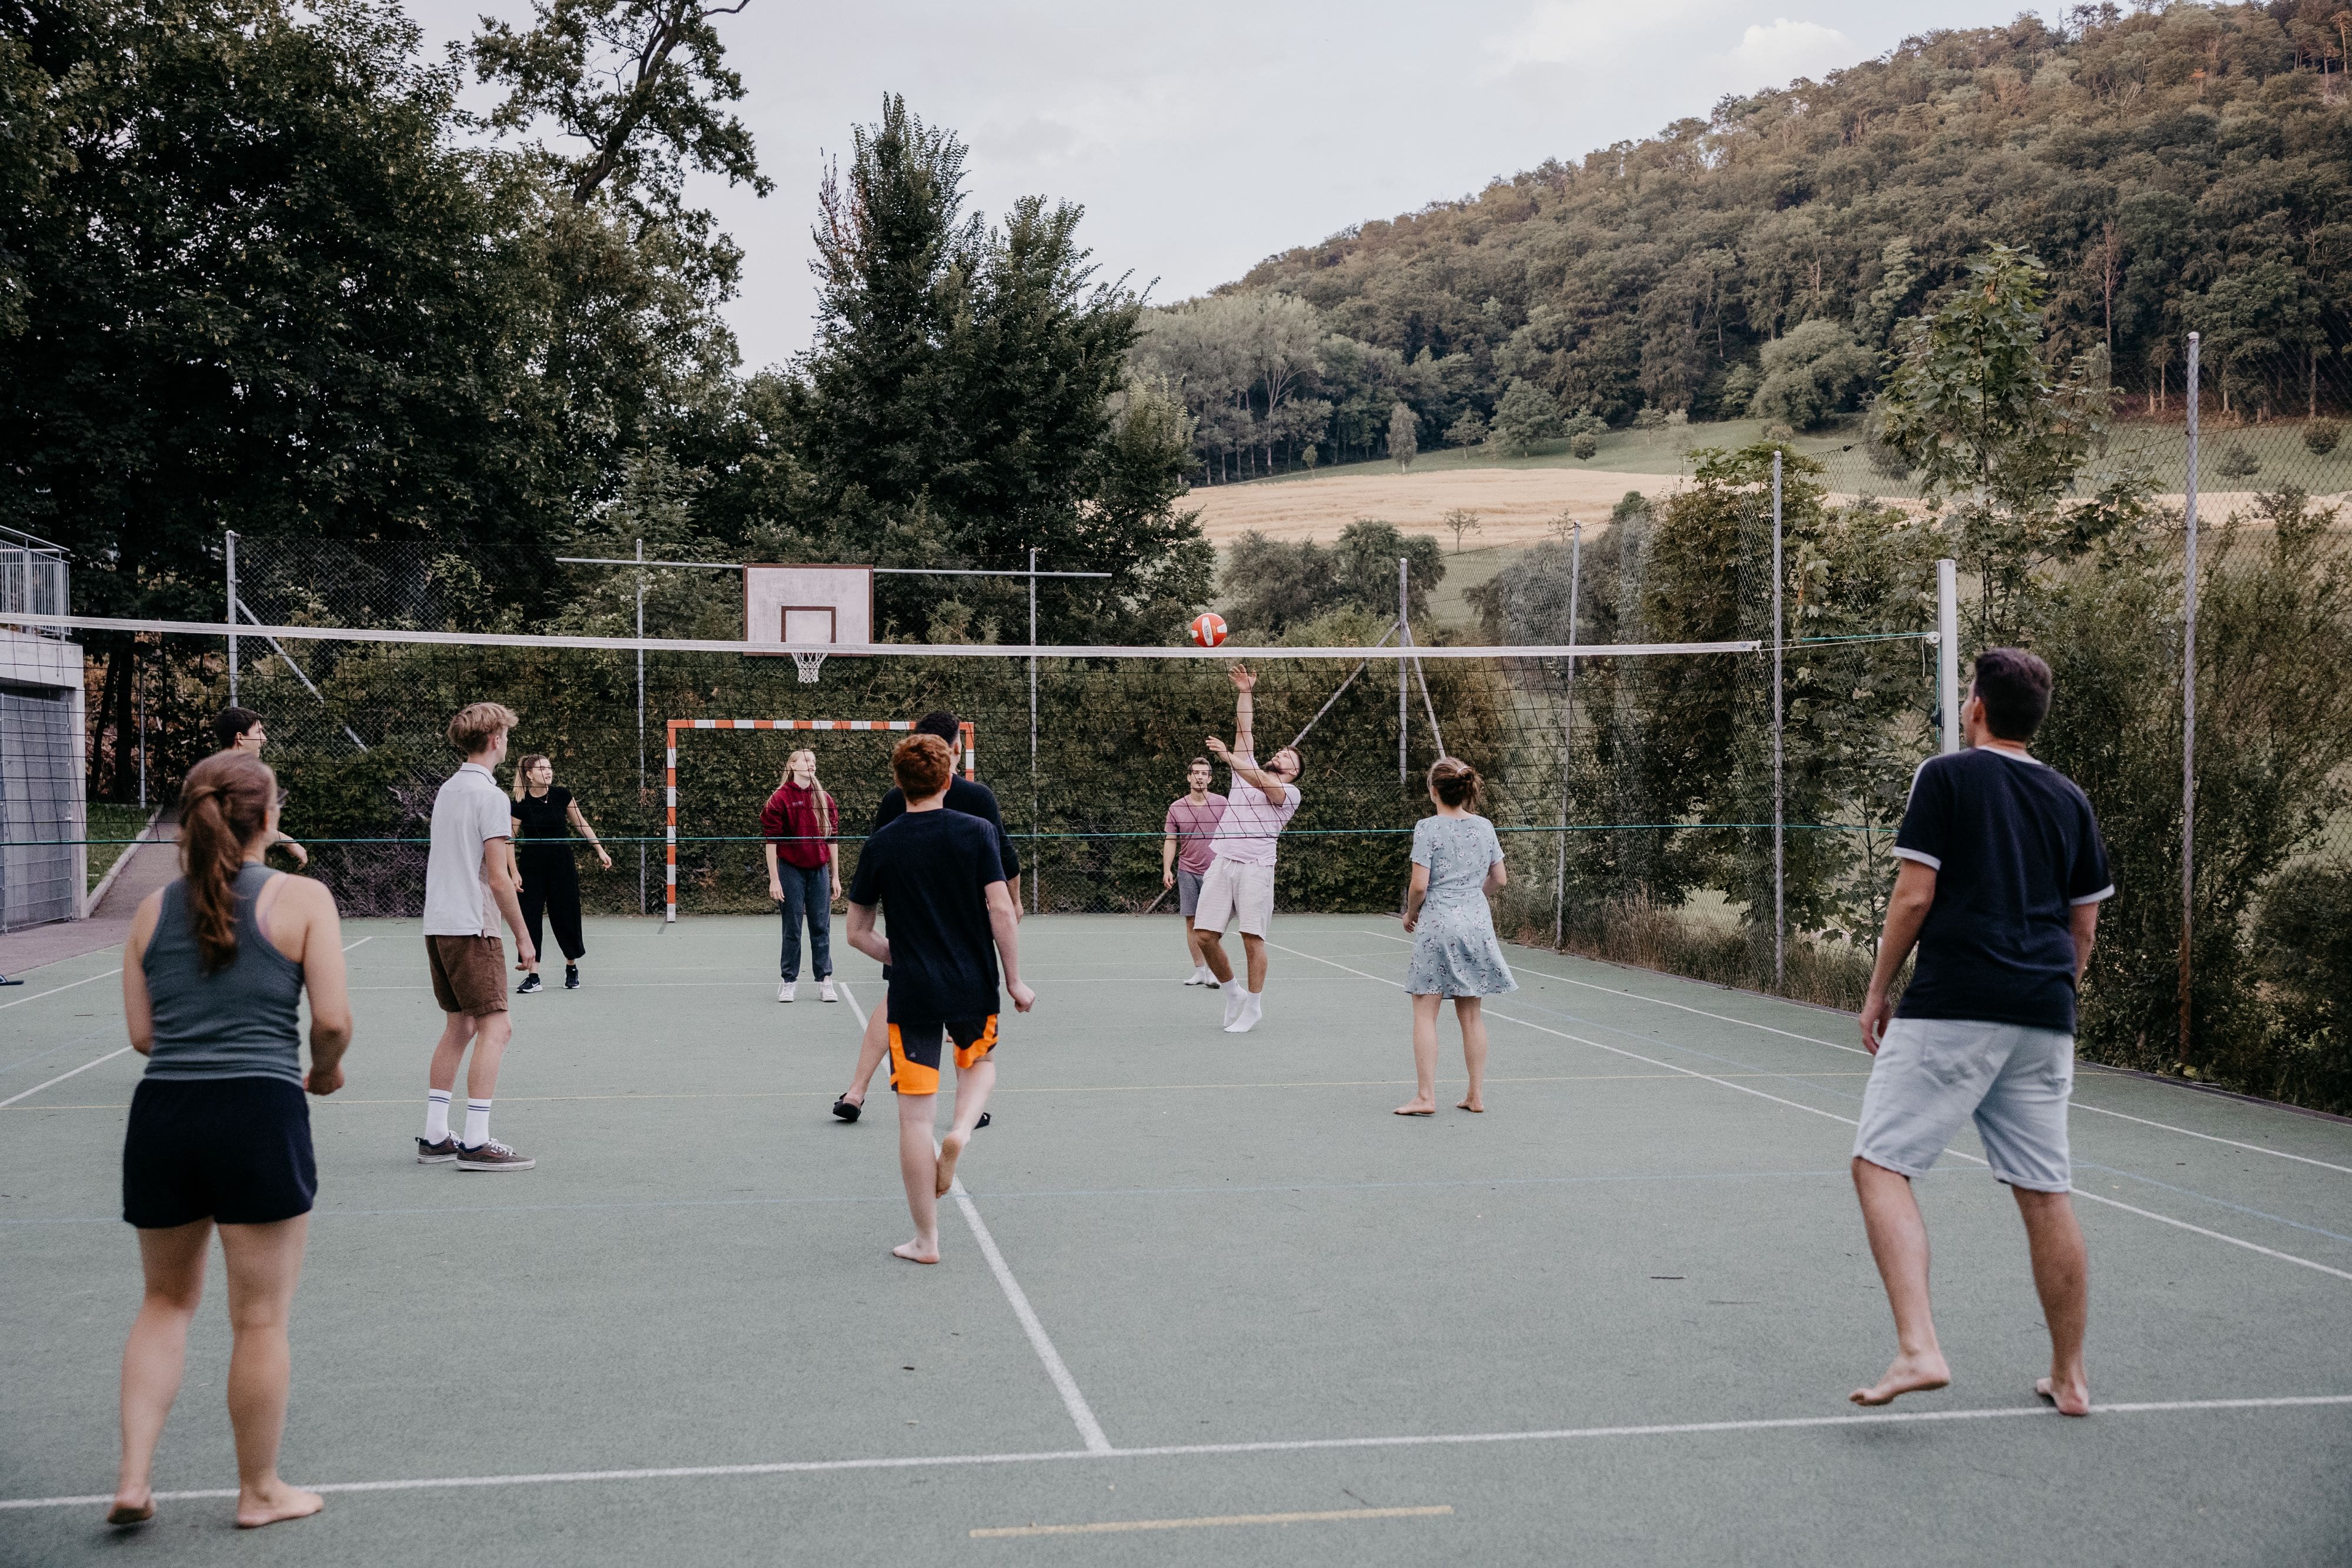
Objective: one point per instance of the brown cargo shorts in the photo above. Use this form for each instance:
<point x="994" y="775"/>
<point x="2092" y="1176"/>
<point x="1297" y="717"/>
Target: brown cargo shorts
<point x="469" y="973"/>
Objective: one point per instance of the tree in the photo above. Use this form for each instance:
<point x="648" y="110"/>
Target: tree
<point x="968" y="399"/>
<point x="1525" y="415"/>
<point x="1461" y="522"/>
<point x="1810" y="374"/>
<point x="1403" y="438"/>
<point x="1272" y="586"/>
<point x="1468" y="431"/>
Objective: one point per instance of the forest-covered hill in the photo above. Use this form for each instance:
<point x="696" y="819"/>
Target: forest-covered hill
<point x="2182" y="167"/>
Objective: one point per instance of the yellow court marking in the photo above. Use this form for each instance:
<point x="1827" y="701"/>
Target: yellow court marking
<point x="330" y="1104"/>
<point x="1113" y="1527"/>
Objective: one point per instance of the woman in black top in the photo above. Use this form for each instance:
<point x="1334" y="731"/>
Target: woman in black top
<point x="544" y="815"/>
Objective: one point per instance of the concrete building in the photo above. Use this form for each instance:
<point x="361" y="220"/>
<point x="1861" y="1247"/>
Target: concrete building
<point x="42" y="814"/>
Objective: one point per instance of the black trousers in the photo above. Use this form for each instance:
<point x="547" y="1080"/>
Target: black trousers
<point x="551" y="888"/>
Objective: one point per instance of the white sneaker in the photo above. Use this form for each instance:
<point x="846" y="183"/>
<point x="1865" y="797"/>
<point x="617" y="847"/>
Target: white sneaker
<point x="1200" y="976"/>
<point x="784" y="991"/>
<point x="1235" y="996"/>
<point x="1253" y="1009"/>
<point x="825" y="990"/>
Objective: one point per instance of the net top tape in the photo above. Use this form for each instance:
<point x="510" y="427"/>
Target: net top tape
<point x="862" y="650"/>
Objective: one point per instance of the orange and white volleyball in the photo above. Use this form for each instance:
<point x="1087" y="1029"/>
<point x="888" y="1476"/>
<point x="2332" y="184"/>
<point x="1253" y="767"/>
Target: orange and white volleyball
<point x="1208" y="630"/>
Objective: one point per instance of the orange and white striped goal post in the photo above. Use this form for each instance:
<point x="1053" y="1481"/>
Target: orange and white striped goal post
<point x="669" y="771"/>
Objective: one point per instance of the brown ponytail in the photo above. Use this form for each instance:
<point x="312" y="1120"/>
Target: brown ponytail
<point x="1457" y="782"/>
<point x="224" y="806"/>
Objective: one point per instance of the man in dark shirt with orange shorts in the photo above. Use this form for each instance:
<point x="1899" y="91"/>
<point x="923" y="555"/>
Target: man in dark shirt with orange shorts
<point x="939" y="875"/>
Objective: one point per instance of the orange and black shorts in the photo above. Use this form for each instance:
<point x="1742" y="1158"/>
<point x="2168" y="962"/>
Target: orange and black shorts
<point x="915" y="1051"/>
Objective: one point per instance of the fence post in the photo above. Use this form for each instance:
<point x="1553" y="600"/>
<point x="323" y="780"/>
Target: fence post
<point x="1779" y="826"/>
<point x="1567" y="740"/>
<point x="230" y="540"/>
<point x="1404" y="641"/>
<point x="1036" y="870"/>
<point x="641" y="729"/>
<point x="1947" y="649"/>
<point x="2188" y="712"/>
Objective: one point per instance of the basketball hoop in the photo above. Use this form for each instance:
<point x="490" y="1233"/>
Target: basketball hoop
<point x="810" y="664"/>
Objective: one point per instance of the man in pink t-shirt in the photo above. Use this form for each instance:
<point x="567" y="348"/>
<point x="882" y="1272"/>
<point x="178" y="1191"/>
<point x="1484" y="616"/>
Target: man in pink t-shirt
<point x="1184" y="857"/>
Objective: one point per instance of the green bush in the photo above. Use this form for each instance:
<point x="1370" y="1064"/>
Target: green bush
<point x="2321" y="435"/>
<point x="1583" y="446"/>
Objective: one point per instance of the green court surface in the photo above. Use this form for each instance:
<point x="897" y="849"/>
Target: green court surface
<point x="1203" y="1283"/>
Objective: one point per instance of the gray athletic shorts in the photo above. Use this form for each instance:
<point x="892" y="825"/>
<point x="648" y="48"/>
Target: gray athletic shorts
<point x="1188" y="893"/>
<point x="1932" y="1074"/>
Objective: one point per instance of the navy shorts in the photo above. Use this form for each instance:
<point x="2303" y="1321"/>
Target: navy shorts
<point x="236" y="1150"/>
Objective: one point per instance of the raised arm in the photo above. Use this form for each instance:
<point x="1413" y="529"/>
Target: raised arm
<point x="1249" y="773"/>
<point x="1244" y="712"/>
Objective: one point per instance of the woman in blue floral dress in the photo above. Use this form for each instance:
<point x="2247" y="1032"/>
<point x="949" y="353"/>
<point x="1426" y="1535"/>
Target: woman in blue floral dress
<point x="1456" y="863"/>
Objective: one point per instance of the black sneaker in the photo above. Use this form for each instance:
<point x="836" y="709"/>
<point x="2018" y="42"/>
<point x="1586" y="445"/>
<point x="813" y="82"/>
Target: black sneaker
<point x="571" y="976"/>
<point x="439" y="1153"/>
<point x="530" y="984"/>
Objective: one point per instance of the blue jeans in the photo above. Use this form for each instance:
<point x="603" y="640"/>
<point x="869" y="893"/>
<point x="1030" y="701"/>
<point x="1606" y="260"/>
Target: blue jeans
<point x="808" y="894"/>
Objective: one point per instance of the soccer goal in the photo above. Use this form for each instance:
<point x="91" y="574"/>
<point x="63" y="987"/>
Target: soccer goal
<point x="677" y="726"/>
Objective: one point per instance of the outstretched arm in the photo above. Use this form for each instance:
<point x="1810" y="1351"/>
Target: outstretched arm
<point x="1249" y="773"/>
<point x="1244" y="712"/>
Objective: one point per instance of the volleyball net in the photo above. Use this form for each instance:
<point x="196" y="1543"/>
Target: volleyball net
<point x="1617" y="774"/>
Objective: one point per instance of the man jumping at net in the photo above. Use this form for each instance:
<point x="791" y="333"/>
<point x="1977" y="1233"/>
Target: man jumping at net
<point x="1238" y="886"/>
<point x="939" y="875"/>
<point x="2002" y="874"/>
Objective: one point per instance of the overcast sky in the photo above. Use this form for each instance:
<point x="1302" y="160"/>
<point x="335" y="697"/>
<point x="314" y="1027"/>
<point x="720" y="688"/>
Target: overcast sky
<point x="1203" y="138"/>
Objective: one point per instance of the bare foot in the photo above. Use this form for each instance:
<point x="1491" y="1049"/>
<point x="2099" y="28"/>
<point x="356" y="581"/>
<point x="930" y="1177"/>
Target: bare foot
<point x="1416" y="1107"/>
<point x="916" y="1251"/>
<point x="2074" y="1401"/>
<point x="269" y="1504"/>
<point x="132" y="1507"/>
<point x="950" y="1151"/>
<point x="1905" y="1375"/>
<point x="1472" y="1104"/>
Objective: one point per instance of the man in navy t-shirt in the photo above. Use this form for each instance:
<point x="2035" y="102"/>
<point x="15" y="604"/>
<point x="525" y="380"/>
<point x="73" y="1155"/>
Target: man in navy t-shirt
<point x="937" y="875"/>
<point x="2000" y="888"/>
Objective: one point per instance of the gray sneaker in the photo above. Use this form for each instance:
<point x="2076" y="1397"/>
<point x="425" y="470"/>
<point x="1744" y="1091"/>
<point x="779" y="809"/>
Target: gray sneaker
<point x="492" y="1156"/>
<point x="439" y="1153"/>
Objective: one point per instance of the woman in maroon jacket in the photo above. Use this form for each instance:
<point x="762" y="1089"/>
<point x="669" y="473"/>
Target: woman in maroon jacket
<point x="803" y="876"/>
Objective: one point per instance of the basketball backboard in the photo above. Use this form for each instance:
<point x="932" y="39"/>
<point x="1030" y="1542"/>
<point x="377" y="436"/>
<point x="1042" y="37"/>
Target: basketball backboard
<point x="808" y="605"/>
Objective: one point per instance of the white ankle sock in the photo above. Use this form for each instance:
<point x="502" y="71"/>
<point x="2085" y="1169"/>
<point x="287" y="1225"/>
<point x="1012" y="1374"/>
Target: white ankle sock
<point x="436" y="1116"/>
<point x="1253" y="1009"/>
<point x="478" y="1123"/>
<point x="1234" y="996"/>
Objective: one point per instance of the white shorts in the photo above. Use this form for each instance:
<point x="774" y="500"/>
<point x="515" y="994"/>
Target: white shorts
<point x="1231" y="888"/>
<point x="1932" y="1074"/>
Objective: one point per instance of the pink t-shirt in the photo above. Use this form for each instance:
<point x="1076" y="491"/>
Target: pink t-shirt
<point x="1252" y="822"/>
<point x="1192" y="827"/>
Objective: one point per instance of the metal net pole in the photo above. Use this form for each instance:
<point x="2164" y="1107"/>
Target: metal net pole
<point x="1779" y="826"/>
<point x="229" y="552"/>
<point x="2189" y="711"/>
<point x="1566" y="741"/>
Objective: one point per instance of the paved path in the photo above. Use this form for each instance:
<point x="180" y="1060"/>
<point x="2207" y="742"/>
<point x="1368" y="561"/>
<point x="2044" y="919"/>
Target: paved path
<point x="148" y="867"/>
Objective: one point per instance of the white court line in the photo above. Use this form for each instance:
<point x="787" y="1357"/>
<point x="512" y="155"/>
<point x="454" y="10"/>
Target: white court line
<point x="1082" y="1415"/>
<point x="69" y="985"/>
<point x="1190" y="1450"/>
<point x="1857" y="1051"/>
<point x="1832" y="1115"/>
<point x="110" y="1055"/>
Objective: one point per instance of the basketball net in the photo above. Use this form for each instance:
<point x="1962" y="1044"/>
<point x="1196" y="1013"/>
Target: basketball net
<point x="810" y="664"/>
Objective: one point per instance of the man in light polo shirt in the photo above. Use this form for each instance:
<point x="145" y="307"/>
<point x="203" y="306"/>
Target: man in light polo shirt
<point x="2001" y="883"/>
<point x="1184" y="855"/>
<point x="1239" y="883"/>
<point x="469" y="885"/>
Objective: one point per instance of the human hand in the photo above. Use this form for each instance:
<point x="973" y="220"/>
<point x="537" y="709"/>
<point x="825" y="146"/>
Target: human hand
<point x="607" y="859"/>
<point x="776" y="891"/>
<point x="301" y="856"/>
<point x="1875" y="1012"/>
<point x="1242" y="676"/>
<point x="324" y="1079"/>
<point x="1217" y="748"/>
<point x="1410" y="922"/>
<point x="1167" y="879"/>
<point x="526" y="956"/>
<point x="1024" y="998"/>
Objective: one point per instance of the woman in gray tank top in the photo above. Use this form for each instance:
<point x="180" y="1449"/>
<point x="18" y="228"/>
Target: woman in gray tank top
<point x="219" y="1135"/>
